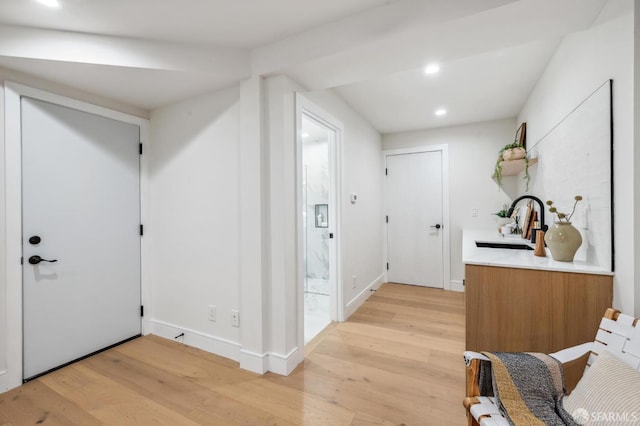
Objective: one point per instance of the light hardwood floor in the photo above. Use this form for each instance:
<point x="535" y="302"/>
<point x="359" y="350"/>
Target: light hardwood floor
<point x="398" y="360"/>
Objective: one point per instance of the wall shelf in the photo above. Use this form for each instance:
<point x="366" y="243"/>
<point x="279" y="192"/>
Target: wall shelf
<point x="509" y="169"/>
<point x="514" y="167"/>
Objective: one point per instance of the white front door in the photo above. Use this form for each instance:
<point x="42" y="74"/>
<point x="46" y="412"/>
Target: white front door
<point x="81" y="208"/>
<point x="415" y="218"/>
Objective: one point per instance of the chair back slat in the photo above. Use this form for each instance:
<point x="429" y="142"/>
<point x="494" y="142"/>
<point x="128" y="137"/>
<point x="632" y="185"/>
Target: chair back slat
<point x="615" y="327"/>
<point x="625" y="320"/>
<point x="615" y="342"/>
<point x="632" y="346"/>
<point x="621" y="337"/>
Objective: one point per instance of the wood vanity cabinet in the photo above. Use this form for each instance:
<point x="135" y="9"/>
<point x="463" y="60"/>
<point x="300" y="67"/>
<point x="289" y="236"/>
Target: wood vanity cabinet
<point x="527" y="310"/>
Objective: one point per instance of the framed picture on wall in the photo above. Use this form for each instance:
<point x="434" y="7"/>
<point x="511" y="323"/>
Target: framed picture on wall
<point x="322" y="215"/>
<point x="521" y="135"/>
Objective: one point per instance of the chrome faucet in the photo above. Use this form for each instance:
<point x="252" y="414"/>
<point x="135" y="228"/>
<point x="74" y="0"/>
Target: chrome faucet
<point x="537" y="200"/>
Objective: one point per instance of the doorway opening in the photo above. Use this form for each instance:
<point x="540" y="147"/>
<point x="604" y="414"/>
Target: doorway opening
<point x="316" y="191"/>
<point x="318" y="216"/>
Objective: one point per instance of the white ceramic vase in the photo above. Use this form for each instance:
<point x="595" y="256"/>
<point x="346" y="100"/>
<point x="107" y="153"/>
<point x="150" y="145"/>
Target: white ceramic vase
<point x="563" y="240"/>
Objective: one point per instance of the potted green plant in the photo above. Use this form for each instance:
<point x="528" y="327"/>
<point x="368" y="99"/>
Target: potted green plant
<point x="503" y="216"/>
<point x="511" y="152"/>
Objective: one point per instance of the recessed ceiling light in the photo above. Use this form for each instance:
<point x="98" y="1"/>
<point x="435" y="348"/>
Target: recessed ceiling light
<point x="49" y="3"/>
<point x="440" y="112"/>
<point x="305" y="135"/>
<point x="432" y="69"/>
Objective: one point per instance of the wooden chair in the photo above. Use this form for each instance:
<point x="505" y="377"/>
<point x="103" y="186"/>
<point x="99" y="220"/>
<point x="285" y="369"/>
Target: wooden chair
<point x="617" y="333"/>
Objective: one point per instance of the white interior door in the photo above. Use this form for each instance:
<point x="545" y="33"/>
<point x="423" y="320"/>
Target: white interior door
<point x="81" y="207"/>
<point x="414" y="228"/>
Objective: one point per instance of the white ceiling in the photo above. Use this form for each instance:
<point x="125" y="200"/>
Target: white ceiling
<point x="233" y="23"/>
<point x="475" y="88"/>
<point x="149" y="53"/>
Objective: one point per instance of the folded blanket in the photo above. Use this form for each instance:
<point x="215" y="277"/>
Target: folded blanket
<point x="528" y="387"/>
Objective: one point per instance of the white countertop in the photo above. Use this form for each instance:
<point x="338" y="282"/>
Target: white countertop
<point x="510" y="258"/>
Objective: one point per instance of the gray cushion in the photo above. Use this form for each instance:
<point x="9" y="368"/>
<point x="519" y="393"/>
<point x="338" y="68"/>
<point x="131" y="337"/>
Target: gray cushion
<point x="608" y="393"/>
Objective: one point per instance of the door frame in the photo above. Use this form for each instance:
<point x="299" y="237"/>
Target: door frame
<point x="304" y="106"/>
<point x="446" y="235"/>
<point x="13" y="92"/>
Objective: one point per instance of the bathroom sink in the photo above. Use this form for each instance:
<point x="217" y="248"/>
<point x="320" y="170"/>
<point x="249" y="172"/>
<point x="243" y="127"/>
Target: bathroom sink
<point x="515" y="246"/>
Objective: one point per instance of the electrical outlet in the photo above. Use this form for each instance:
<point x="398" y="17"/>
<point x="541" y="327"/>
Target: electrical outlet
<point x="354" y="281"/>
<point x="212" y="313"/>
<point x="235" y="318"/>
<point x="474" y="212"/>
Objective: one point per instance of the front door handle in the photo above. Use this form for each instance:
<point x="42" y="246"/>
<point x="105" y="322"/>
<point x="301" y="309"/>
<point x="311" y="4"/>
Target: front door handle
<point x="34" y="260"/>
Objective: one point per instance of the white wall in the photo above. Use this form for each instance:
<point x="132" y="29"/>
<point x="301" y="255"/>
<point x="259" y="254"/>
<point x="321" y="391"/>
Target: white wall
<point x="3" y="240"/>
<point x="583" y="61"/>
<point x="473" y="149"/>
<point x="194" y="218"/>
<point x="362" y="222"/>
<point x="636" y="156"/>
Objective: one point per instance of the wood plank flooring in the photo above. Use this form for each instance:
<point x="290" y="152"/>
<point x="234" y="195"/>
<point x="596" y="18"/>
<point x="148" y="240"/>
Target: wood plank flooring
<point x="397" y="361"/>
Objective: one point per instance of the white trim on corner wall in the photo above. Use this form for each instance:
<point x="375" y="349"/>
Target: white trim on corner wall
<point x="271" y="361"/>
<point x="13" y="209"/>
<point x="284" y="365"/>
<point x="253" y="361"/>
<point x="446" y="234"/>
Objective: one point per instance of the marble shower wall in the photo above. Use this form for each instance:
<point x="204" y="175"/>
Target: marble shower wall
<point x="316" y="188"/>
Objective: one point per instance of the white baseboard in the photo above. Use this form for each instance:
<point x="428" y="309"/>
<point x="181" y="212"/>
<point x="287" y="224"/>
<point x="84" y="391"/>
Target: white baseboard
<point x="360" y="298"/>
<point x="4" y="381"/>
<point x="284" y="365"/>
<point x="273" y="362"/>
<point x="251" y="361"/>
<point x="197" y="339"/>
<point x="456" y="285"/>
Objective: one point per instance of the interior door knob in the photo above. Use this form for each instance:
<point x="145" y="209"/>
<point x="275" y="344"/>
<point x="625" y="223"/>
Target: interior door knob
<point x="437" y="226"/>
<point x="34" y="260"/>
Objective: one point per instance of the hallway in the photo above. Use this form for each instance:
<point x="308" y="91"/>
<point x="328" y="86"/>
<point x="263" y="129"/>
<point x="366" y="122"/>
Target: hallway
<point x="398" y="360"/>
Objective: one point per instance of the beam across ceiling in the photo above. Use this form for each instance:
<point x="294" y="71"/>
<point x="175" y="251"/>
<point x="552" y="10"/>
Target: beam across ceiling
<point x="64" y="46"/>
